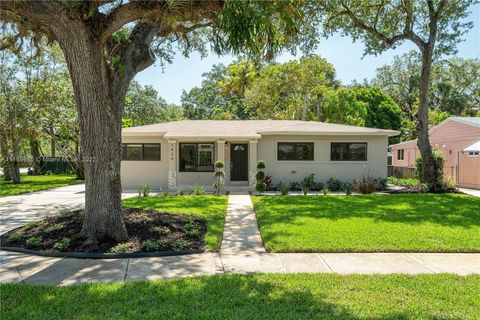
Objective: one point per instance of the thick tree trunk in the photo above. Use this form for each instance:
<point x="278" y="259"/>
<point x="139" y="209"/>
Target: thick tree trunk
<point x="35" y="153"/>
<point x="423" y="140"/>
<point x="5" y="154"/>
<point x="100" y="130"/>
<point x="79" y="167"/>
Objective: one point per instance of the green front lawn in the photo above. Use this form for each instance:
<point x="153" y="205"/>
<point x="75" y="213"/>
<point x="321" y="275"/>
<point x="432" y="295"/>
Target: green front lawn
<point x="36" y="183"/>
<point x="212" y="208"/>
<point x="413" y="222"/>
<point x="258" y="296"/>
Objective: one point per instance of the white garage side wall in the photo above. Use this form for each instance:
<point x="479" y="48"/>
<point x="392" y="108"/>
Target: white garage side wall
<point x="153" y="173"/>
<point x="321" y="165"/>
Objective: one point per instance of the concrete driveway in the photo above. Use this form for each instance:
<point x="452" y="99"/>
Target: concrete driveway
<point x="19" y="210"/>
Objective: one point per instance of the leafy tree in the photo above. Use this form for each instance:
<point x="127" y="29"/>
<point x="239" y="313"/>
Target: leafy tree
<point x="107" y="43"/>
<point x="435" y="27"/>
<point x="291" y="90"/>
<point x="342" y="106"/>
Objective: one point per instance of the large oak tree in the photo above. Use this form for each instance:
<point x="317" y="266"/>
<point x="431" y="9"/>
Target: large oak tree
<point x="106" y="43"/>
<point x="435" y="27"/>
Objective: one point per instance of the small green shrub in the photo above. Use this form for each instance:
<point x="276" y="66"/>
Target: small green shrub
<point x="404" y="182"/>
<point x="15" y="236"/>
<point x="447" y="185"/>
<point x="309" y="181"/>
<point x="334" y="184"/>
<point x="260" y="187"/>
<point x="144" y="190"/>
<point x="150" y="245"/>
<point x="165" y="193"/>
<point x="305" y="190"/>
<point x="365" y="185"/>
<point x="62" y="244"/>
<point x="122" y="247"/>
<point x="191" y="229"/>
<point x="295" y="186"/>
<point x="34" y="242"/>
<point x="180" y="192"/>
<point x="54" y="228"/>
<point x="162" y="230"/>
<point x="325" y="191"/>
<point x="199" y="190"/>
<point x="64" y="213"/>
<point x="437" y="163"/>
<point x="260" y="177"/>
<point x="180" y="244"/>
<point x="219" y="176"/>
<point x="347" y="188"/>
<point x="381" y="184"/>
<point x="261" y="165"/>
<point x="283" y="188"/>
<point x="318" y="186"/>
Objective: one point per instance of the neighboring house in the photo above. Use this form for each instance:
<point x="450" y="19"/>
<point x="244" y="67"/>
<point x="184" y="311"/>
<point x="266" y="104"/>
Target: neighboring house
<point x="450" y="137"/>
<point x="469" y="166"/>
<point x="181" y="154"/>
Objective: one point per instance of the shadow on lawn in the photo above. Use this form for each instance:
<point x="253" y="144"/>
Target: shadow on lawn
<point x="445" y="209"/>
<point x="217" y="297"/>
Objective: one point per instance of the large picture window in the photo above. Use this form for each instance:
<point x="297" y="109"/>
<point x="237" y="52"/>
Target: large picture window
<point x="197" y="157"/>
<point x="295" y="151"/>
<point x="141" y="151"/>
<point x="348" y="151"/>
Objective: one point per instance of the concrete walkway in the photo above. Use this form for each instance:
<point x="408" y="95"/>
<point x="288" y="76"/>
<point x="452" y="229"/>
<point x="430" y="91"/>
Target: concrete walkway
<point x="472" y="192"/>
<point x="242" y="251"/>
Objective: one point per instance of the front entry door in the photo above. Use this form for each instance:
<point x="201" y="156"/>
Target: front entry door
<point x="239" y="162"/>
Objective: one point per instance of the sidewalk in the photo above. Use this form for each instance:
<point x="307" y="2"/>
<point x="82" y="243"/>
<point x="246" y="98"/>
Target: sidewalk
<point x="242" y="251"/>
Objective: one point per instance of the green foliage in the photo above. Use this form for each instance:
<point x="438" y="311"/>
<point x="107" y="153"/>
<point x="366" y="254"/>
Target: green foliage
<point x="309" y="182"/>
<point x="404" y="182"/>
<point x="180" y="244"/>
<point x="123" y="247"/>
<point x="325" y="191"/>
<point x="17" y="236"/>
<point x="342" y="106"/>
<point x="198" y="190"/>
<point x="305" y="189"/>
<point x="219" y="164"/>
<point x="347" y="188"/>
<point x="180" y="192"/>
<point x="192" y="229"/>
<point x="260" y="176"/>
<point x="165" y="193"/>
<point x="219" y="175"/>
<point x="54" y="228"/>
<point x="150" y="245"/>
<point x="334" y="184"/>
<point x="261" y="165"/>
<point x="437" y="164"/>
<point x="366" y="184"/>
<point x="260" y="187"/>
<point x="36" y="183"/>
<point x="283" y="187"/>
<point x="144" y="190"/>
<point x="62" y="244"/>
<point x="34" y="242"/>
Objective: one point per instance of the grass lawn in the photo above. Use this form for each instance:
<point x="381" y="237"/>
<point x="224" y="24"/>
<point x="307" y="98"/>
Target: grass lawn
<point x="36" y="183"/>
<point x="212" y="208"/>
<point x="412" y="222"/>
<point x="257" y="296"/>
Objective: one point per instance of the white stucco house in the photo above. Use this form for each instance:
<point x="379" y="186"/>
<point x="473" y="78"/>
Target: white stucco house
<point x="181" y="154"/>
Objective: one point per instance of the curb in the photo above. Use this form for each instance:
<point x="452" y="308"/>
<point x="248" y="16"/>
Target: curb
<point x="99" y="255"/>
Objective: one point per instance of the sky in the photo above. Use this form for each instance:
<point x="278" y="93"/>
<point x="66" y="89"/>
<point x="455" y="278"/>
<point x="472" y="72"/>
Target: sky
<point x="346" y="57"/>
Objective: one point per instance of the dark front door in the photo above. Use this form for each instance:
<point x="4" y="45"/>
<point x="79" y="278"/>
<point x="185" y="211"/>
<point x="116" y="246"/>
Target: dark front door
<point x="239" y="162"/>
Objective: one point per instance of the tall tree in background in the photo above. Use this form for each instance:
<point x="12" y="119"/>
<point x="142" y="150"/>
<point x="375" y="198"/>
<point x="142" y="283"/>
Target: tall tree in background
<point x="103" y="58"/>
<point x="435" y="27"/>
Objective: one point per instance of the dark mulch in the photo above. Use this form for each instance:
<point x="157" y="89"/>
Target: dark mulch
<point x="148" y="231"/>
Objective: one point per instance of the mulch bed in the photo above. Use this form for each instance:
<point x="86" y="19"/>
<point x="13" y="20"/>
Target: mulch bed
<point x="148" y="231"/>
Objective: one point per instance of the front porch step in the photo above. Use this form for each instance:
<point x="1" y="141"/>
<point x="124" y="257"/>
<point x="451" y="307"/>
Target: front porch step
<point x="238" y="188"/>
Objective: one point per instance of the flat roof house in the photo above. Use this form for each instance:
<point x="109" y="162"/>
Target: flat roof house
<point x="451" y="137"/>
<point x="181" y="154"/>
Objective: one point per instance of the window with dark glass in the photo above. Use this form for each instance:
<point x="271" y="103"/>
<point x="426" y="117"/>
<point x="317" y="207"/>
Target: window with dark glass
<point x="141" y="151"/>
<point x="197" y="157"/>
<point x="348" y="151"/>
<point x="296" y="151"/>
<point x="400" y="154"/>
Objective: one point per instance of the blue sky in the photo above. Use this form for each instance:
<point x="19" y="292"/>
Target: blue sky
<point x="346" y="57"/>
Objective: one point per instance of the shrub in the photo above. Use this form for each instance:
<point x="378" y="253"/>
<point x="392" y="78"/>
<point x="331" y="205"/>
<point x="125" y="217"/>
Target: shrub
<point x="325" y="191"/>
<point x="144" y="190"/>
<point x="165" y="193"/>
<point x="447" y="185"/>
<point x="162" y="230"/>
<point x="294" y="185"/>
<point x="347" y="188"/>
<point x="15" y="236"/>
<point x="191" y="229"/>
<point x="404" y="182"/>
<point x="260" y="186"/>
<point x="199" y="190"/>
<point x="62" y="244"/>
<point x="34" y="242"/>
<point x="219" y="175"/>
<point x="53" y="228"/>
<point x="268" y="182"/>
<point x="305" y="189"/>
<point x="318" y="186"/>
<point x="180" y="192"/>
<point x="150" y="245"/>
<point x="180" y="244"/>
<point x="437" y="163"/>
<point x="334" y="184"/>
<point x="283" y="188"/>
<point x="309" y="181"/>
<point x="122" y="247"/>
<point x="381" y="184"/>
<point x="365" y="185"/>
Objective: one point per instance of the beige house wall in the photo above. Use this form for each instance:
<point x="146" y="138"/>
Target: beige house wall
<point x="322" y="166"/>
<point x="159" y="175"/>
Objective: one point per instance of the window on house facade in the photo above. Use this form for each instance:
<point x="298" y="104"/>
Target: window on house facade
<point x="348" y="151"/>
<point x="400" y="154"/>
<point x="196" y="157"/>
<point x="473" y="153"/>
<point x="295" y="151"/>
<point x="141" y="151"/>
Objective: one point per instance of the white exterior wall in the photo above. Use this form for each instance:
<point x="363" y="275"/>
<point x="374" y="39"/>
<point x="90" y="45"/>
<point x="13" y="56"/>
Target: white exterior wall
<point x="156" y="173"/>
<point x="321" y="165"/>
